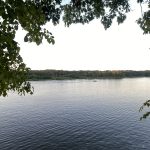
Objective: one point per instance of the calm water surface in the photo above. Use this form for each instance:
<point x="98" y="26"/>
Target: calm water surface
<point x="77" y="115"/>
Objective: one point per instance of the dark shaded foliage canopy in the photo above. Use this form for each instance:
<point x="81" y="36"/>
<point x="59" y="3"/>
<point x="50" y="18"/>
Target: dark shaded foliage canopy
<point x="32" y="15"/>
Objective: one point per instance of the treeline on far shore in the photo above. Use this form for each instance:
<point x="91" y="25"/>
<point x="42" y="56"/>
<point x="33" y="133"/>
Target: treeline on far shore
<point x="62" y="74"/>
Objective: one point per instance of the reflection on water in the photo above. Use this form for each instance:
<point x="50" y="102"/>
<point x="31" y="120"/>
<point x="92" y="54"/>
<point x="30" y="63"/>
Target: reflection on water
<point x="77" y="115"/>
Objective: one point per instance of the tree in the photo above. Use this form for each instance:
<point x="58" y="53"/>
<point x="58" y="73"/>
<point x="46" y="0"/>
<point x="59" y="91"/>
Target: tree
<point x="32" y="15"/>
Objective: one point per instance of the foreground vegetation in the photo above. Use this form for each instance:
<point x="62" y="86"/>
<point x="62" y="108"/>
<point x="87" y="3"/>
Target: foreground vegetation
<point x="62" y="74"/>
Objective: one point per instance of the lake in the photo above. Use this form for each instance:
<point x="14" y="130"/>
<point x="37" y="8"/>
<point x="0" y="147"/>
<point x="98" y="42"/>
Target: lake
<point x="77" y="115"/>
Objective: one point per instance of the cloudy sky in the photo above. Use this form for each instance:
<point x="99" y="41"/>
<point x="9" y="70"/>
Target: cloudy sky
<point x="90" y="47"/>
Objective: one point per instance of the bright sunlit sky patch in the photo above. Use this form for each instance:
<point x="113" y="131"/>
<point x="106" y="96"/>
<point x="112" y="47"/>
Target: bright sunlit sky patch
<point x="90" y="47"/>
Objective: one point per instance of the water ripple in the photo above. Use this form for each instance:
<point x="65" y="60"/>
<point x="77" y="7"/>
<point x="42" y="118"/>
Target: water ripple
<point x="81" y="115"/>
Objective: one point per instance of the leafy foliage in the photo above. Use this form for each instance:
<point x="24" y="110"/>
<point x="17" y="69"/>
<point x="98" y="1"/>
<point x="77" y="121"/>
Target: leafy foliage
<point x="32" y="15"/>
<point x="84" y="11"/>
<point x="146" y="114"/>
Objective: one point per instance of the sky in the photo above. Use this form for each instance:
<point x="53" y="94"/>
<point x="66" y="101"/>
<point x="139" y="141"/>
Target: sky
<point x="91" y="47"/>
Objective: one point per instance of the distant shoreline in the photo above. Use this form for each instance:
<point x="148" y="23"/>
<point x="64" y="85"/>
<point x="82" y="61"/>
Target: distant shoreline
<point x="37" y="75"/>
